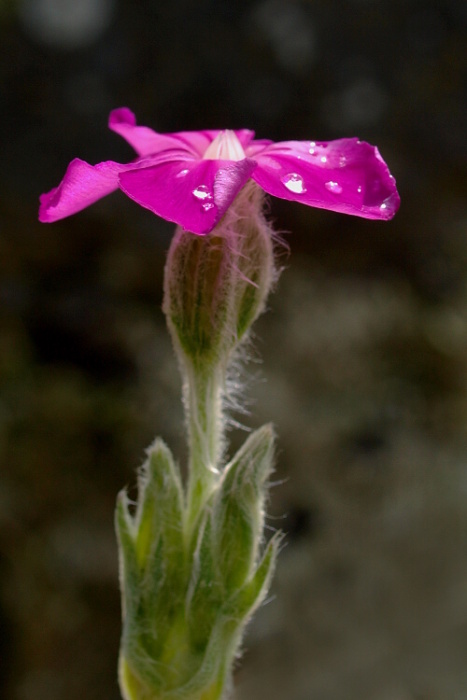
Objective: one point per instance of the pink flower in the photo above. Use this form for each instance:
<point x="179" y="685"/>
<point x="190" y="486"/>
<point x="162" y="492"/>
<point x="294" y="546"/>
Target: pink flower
<point x="192" y="177"/>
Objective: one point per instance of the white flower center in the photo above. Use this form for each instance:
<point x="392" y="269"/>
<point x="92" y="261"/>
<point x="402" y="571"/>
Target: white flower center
<point x="225" y="146"/>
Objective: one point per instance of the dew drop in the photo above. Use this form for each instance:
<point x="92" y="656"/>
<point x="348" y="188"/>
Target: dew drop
<point x="333" y="187"/>
<point x="294" y="183"/>
<point x="323" y="159"/>
<point x="202" y="192"/>
<point x="182" y="173"/>
<point x="389" y="206"/>
<point x="206" y="206"/>
<point x="359" y="189"/>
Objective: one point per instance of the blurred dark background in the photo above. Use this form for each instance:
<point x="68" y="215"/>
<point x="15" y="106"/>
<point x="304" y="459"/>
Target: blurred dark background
<point x="364" y="364"/>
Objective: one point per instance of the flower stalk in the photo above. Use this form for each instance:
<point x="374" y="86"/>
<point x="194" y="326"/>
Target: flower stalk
<point x="193" y="569"/>
<point x="203" y="398"/>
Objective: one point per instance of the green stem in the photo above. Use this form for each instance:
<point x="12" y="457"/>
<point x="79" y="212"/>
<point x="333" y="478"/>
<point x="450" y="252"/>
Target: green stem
<point x="204" y="389"/>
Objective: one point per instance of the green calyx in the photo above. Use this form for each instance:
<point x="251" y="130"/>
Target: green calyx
<point x="216" y="285"/>
<point x="188" y="593"/>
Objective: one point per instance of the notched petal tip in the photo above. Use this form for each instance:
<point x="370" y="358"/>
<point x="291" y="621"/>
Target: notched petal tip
<point x="46" y="206"/>
<point x="380" y="198"/>
<point x="121" y="115"/>
<point x="389" y="208"/>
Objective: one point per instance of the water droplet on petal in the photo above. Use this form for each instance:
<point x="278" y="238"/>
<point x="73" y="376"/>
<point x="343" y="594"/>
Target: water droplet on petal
<point x="333" y="187"/>
<point x="359" y="189"/>
<point x="323" y="159"/>
<point x="294" y="183"/>
<point x="202" y="192"/>
<point x="206" y="206"/>
<point x="182" y="173"/>
<point x="390" y="204"/>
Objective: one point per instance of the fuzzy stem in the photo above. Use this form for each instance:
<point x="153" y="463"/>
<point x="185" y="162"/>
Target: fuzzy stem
<point x="203" y="394"/>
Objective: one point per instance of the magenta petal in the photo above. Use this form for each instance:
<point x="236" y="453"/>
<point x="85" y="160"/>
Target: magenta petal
<point x="193" y="194"/>
<point x="196" y="142"/>
<point x="82" y="185"/>
<point x="245" y="136"/>
<point x="144" y="140"/>
<point x="256" y="146"/>
<point x="347" y="176"/>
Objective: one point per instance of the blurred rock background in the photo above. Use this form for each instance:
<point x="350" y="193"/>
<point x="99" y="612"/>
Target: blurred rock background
<point x="364" y="363"/>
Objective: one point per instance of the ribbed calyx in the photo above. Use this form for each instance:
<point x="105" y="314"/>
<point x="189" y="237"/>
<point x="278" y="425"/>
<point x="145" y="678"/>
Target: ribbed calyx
<point x="216" y="285"/>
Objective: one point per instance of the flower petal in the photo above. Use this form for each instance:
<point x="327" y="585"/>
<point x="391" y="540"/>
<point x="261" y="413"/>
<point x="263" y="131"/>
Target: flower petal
<point x="245" y="136"/>
<point x="193" y="194"/>
<point x="82" y="185"/>
<point x="346" y="175"/>
<point x="143" y="139"/>
<point x="256" y="146"/>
